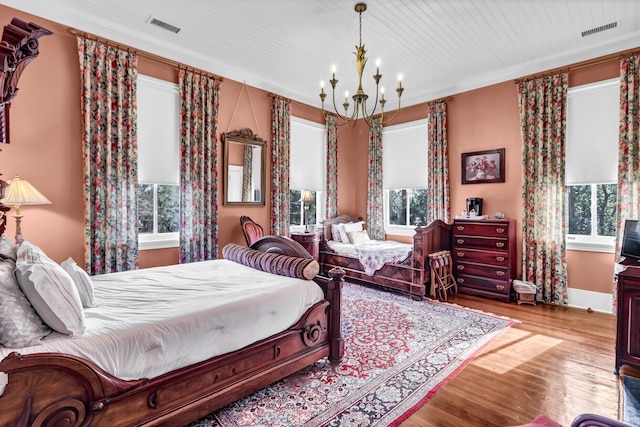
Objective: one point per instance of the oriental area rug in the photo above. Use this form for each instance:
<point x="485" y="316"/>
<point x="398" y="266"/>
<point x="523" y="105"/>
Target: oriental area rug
<point x="398" y="353"/>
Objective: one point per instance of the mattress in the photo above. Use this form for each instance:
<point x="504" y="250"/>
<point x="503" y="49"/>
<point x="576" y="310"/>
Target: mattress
<point x="152" y="321"/>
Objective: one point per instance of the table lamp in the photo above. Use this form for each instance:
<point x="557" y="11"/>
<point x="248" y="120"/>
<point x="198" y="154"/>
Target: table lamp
<point x="307" y="197"/>
<point x="18" y="193"/>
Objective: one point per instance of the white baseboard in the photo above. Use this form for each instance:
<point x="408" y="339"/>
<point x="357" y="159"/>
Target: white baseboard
<point x="597" y="301"/>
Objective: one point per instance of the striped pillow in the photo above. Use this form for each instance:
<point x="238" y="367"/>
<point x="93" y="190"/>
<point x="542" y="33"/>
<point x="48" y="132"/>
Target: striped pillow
<point x="50" y="290"/>
<point x="282" y="265"/>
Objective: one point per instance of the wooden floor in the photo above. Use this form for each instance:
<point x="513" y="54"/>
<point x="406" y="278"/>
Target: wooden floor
<point x="557" y="361"/>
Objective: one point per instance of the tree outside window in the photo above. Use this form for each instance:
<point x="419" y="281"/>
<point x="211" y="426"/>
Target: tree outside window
<point x="296" y="208"/>
<point x="158" y="209"/>
<point x="591" y="209"/>
<point x="407" y="207"/>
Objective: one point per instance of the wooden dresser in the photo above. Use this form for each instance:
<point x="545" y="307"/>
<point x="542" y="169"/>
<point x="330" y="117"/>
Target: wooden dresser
<point x="484" y="257"/>
<point x="628" y="327"/>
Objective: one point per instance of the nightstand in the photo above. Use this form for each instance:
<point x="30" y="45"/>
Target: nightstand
<point x="310" y="241"/>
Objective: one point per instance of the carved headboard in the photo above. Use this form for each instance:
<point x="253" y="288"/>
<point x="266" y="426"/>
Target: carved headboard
<point x="18" y="47"/>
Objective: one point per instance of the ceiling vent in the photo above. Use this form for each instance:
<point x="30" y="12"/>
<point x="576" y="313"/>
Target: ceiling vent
<point x="163" y="25"/>
<point x="599" y="29"/>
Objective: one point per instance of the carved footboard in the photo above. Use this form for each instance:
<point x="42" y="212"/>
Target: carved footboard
<point x="52" y="389"/>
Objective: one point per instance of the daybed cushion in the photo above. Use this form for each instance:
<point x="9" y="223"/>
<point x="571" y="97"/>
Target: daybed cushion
<point x="82" y="280"/>
<point x="20" y="325"/>
<point x="7" y="248"/>
<point x="358" y="236"/>
<point x="50" y="290"/>
<point x="272" y="263"/>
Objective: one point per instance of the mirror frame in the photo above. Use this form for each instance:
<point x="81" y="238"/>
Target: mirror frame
<point x="244" y="136"/>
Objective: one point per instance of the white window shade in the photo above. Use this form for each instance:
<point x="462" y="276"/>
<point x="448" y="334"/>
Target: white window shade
<point x="158" y="131"/>
<point x="308" y="155"/>
<point x="404" y="155"/>
<point x="592" y="133"/>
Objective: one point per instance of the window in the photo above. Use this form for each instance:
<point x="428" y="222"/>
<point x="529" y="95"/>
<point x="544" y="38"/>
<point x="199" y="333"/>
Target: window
<point x="307" y="171"/>
<point x="404" y="165"/>
<point x="591" y="165"/>
<point x="158" y="163"/>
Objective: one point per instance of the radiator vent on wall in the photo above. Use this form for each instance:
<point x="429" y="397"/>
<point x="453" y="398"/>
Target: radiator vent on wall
<point x="600" y="28"/>
<point x="163" y="25"/>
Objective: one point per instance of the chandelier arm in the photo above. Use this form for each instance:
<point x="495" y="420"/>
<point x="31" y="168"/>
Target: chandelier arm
<point x="333" y="96"/>
<point x="394" y="115"/>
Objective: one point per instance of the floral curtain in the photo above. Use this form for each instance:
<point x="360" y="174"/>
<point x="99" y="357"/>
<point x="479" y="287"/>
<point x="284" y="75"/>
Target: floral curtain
<point x="108" y="78"/>
<point x="280" y="151"/>
<point x="543" y="109"/>
<point x="438" y="164"/>
<point x="199" y="103"/>
<point x="375" y="218"/>
<point x="332" y="167"/>
<point x="247" y="168"/>
<point x="628" y="151"/>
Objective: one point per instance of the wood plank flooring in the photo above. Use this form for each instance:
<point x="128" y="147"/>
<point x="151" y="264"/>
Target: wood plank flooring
<point x="556" y="361"/>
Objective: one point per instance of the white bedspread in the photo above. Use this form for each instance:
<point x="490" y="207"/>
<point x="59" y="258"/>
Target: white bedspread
<point x="152" y="321"/>
<point x="373" y="254"/>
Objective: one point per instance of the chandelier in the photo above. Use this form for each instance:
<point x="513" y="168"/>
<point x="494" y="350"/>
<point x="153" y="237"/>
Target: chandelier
<point x="360" y="97"/>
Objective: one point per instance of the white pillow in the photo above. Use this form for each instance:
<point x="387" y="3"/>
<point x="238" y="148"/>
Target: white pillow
<point x="82" y="280"/>
<point x="344" y="237"/>
<point x="359" y="236"/>
<point x="20" y="325"/>
<point x="348" y="227"/>
<point x="335" y="233"/>
<point x="50" y="290"/>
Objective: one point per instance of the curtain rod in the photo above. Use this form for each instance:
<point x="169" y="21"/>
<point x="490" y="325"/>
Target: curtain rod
<point x="601" y="60"/>
<point x="178" y="65"/>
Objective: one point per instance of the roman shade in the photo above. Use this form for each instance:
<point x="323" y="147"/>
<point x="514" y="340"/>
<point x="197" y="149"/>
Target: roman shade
<point x="404" y="155"/>
<point x="158" y="131"/>
<point x="592" y="133"/>
<point x="307" y="155"/>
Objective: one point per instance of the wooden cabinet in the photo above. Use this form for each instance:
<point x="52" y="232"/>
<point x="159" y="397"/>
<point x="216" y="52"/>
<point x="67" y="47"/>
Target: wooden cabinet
<point x="484" y="257"/>
<point x="628" y="326"/>
<point x="310" y="241"/>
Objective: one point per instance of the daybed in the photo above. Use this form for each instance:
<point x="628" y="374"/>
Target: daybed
<point x="410" y="275"/>
<point x="60" y="389"/>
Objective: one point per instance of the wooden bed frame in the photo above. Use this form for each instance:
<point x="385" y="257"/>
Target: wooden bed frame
<point x="53" y="389"/>
<point x="411" y="276"/>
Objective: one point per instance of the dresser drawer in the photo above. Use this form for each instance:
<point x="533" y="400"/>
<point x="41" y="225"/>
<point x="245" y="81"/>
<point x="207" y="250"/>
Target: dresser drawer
<point x="483" y="229"/>
<point x="495" y="286"/>
<point x="483" y="270"/>
<point x="480" y="242"/>
<point x="481" y="256"/>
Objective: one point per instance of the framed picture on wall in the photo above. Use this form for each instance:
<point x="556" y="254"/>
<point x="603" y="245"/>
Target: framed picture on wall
<point x="482" y="167"/>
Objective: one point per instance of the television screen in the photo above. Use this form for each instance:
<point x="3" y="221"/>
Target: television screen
<point x="631" y="239"/>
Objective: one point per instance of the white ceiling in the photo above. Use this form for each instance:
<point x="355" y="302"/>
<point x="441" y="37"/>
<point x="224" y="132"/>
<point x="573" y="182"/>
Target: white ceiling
<point x="441" y="47"/>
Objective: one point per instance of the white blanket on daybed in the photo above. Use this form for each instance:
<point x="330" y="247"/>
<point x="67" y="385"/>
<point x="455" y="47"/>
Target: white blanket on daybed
<point x="373" y="254"/>
<point x="152" y="321"/>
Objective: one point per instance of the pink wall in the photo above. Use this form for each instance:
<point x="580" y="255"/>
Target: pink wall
<point x="46" y="150"/>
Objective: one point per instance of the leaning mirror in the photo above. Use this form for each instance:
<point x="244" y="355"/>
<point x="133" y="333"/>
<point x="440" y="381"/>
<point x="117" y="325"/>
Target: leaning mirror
<point x="244" y="168"/>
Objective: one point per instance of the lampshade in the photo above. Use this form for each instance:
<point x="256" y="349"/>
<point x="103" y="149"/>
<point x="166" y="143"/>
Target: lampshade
<point x="307" y="196"/>
<point x="20" y="192"/>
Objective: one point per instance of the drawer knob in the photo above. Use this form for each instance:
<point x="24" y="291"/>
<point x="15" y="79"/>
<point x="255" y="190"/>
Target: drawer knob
<point x="460" y="241"/>
<point x="500" y="230"/>
<point x="500" y="287"/>
<point x="500" y="273"/>
<point x="499" y="258"/>
<point x="461" y="227"/>
<point x="460" y="267"/>
<point x="460" y="254"/>
<point x="460" y="280"/>
<point x="500" y="244"/>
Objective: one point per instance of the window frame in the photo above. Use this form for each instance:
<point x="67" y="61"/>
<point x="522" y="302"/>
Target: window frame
<point x="396" y="229"/>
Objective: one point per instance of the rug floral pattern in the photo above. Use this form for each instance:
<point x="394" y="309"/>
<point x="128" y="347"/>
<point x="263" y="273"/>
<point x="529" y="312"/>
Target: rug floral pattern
<point x="398" y="353"/>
